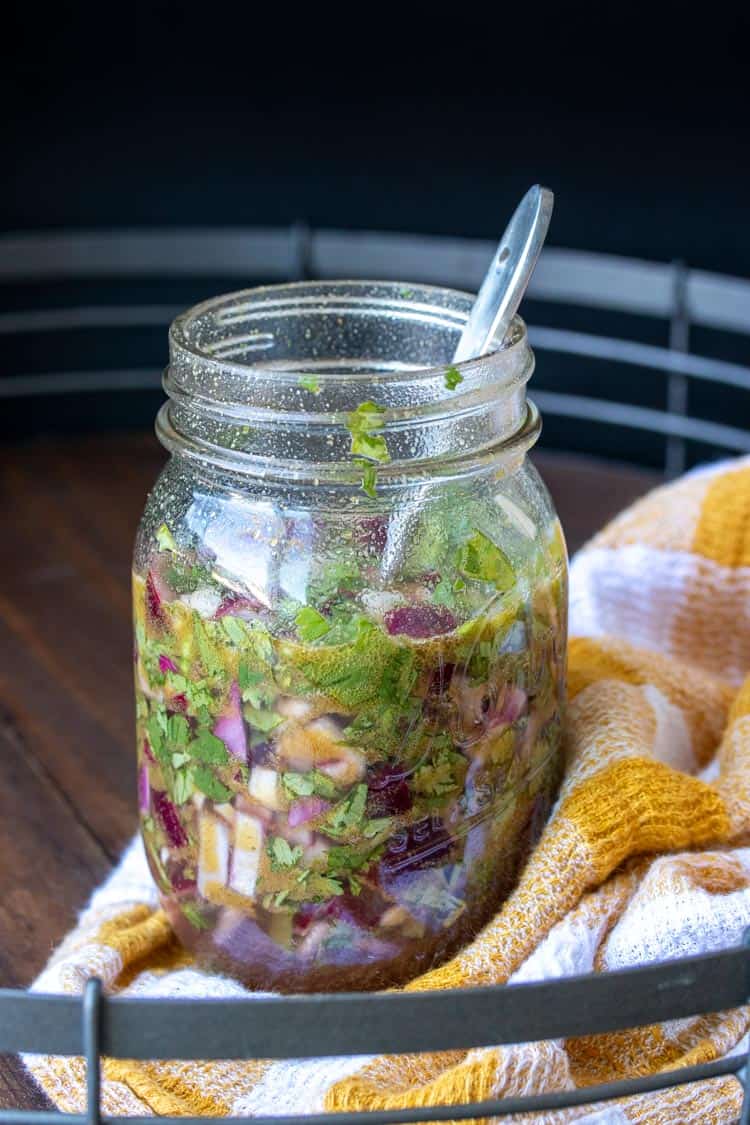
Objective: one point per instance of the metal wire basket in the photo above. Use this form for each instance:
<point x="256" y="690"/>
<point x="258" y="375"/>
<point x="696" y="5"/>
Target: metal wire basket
<point x="394" y="1023"/>
<point x="121" y="266"/>
<point x="678" y="299"/>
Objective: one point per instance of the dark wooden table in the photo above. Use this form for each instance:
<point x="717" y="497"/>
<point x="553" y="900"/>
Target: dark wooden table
<point x="67" y="801"/>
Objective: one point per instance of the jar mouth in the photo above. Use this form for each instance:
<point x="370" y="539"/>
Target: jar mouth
<point x="276" y="372"/>
<point x="266" y="333"/>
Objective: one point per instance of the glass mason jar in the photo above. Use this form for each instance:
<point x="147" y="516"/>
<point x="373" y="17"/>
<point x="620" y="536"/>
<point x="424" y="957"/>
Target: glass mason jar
<point x="350" y="616"/>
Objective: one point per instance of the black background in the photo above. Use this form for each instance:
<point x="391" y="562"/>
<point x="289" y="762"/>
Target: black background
<point x="414" y="119"/>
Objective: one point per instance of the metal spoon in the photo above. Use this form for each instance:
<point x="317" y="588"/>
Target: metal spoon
<point x="501" y="293"/>
<point x="509" y="274"/>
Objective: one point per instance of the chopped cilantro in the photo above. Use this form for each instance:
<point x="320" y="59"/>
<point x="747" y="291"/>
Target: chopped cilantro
<point x="347" y="813"/>
<point x="346" y="861"/>
<point x="262" y="719"/>
<point x="308" y="784"/>
<point x="257" y="650"/>
<point x="197" y="693"/>
<point x="155" y="734"/>
<point x="311" y="625"/>
<point x="248" y="677"/>
<point x="363" y="424"/>
<point x="323" y="886"/>
<point x="339" y="573"/>
<point x="209" y="749"/>
<point x="343" y="859"/>
<point x="165" y="539"/>
<point x="183" y="785"/>
<point x="178" y="730"/>
<point x="297" y="784"/>
<point x="452" y="378"/>
<point x="281" y="854"/>
<point x="377" y="827"/>
<point x="444" y="593"/>
<point x="388" y="728"/>
<point x="253" y="687"/>
<point x="442" y="775"/>
<point x="322" y="785"/>
<point x="185" y="578"/>
<point x="369" y="478"/>
<point x="362" y="724"/>
<point x="353" y="673"/>
<point x="210" y="785"/>
<point x="309" y="383"/>
<point x="194" y="916"/>
<point x="344" y="627"/>
<point x="482" y="560"/>
<point x="234" y="629"/>
<point x="399" y="676"/>
<point x="209" y="654"/>
<point x="430" y="895"/>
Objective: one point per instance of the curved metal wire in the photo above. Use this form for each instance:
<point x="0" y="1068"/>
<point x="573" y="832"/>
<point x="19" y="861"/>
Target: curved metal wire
<point x="325" y="1026"/>
<point x="671" y="292"/>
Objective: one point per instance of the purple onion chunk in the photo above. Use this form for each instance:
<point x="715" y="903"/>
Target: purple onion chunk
<point x="153" y="599"/>
<point x="169" y="818"/>
<point x="508" y="709"/>
<point x="144" y="789"/>
<point x="419" y="621"/>
<point x="239" y="605"/>
<point x="230" y="728"/>
<point x="306" y="809"/>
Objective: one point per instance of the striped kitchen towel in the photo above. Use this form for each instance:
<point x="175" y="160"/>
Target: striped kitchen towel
<point x="644" y="856"/>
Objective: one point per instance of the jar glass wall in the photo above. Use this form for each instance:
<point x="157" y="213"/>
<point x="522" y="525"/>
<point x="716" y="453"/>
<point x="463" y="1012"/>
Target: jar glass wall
<point x="350" y="615"/>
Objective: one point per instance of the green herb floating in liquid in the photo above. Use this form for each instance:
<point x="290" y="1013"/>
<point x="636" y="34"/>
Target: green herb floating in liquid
<point x="452" y="378"/>
<point x="309" y="383"/>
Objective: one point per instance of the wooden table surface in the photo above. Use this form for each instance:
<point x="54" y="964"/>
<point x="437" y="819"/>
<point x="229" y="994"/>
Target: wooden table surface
<point x="67" y="785"/>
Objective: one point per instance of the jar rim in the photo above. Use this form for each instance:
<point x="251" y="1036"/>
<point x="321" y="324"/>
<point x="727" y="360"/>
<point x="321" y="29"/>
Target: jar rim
<point x="277" y="374"/>
<point x="428" y="303"/>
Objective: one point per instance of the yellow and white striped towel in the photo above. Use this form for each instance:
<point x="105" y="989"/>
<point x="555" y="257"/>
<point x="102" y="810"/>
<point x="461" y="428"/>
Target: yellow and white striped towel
<point x="642" y="859"/>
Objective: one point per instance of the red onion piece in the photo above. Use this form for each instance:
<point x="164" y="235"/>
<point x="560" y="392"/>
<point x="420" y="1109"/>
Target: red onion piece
<point x="179" y="881"/>
<point x="230" y="728"/>
<point x="511" y="706"/>
<point x="144" y="789"/>
<point x="239" y="605"/>
<point x="419" y="621"/>
<point x="153" y="599"/>
<point x="166" y="665"/>
<point x="305" y="809"/>
<point x="169" y="819"/>
<point x="372" y="533"/>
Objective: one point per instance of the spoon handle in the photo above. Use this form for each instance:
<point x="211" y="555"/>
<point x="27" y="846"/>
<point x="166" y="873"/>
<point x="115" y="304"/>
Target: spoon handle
<point x="509" y="274"/>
